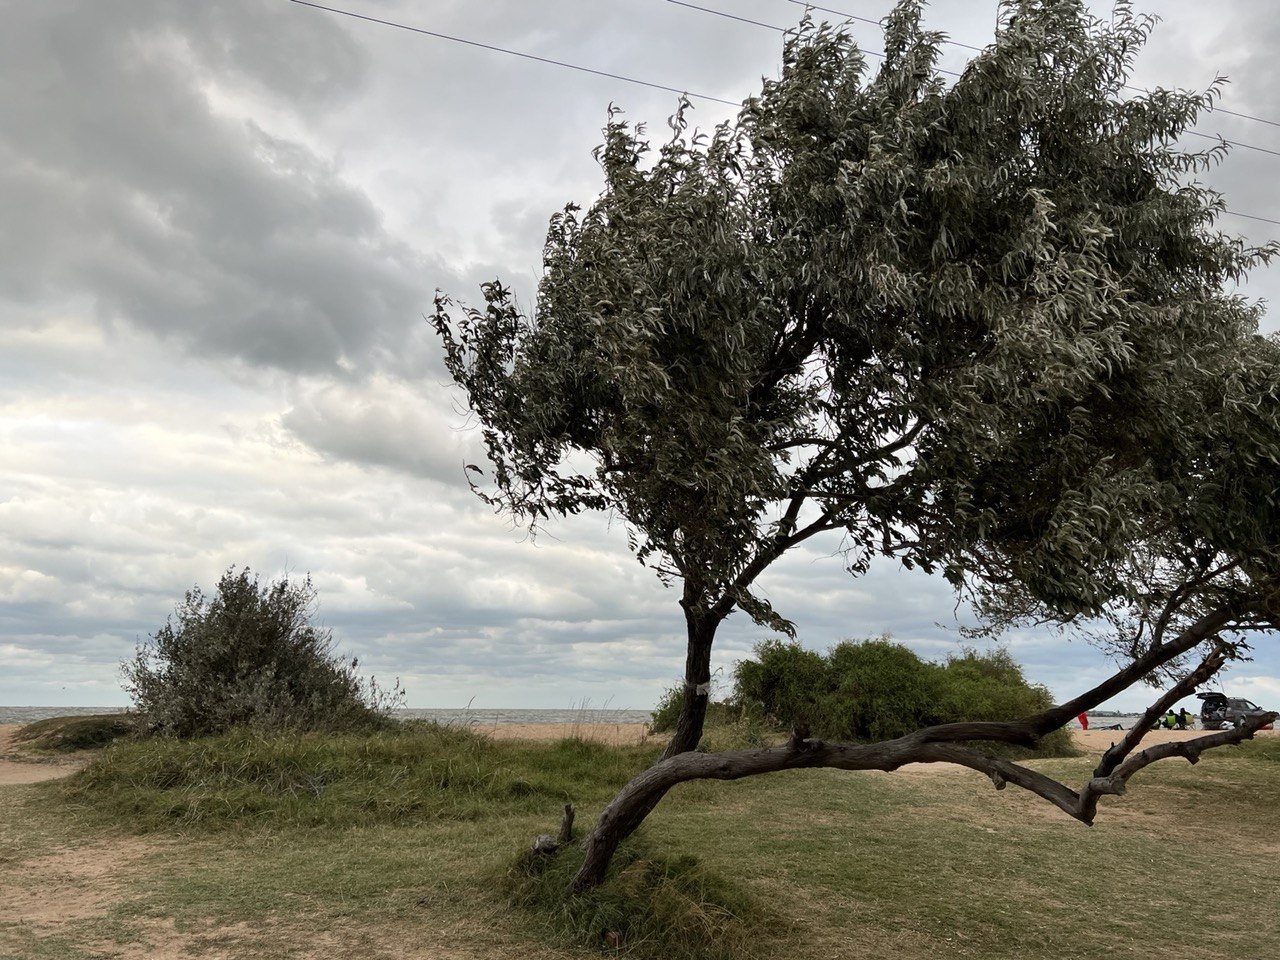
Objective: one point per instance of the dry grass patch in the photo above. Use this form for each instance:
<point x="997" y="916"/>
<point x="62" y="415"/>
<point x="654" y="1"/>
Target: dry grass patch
<point x="397" y="854"/>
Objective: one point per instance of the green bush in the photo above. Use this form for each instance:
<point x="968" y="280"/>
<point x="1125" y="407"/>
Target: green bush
<point x="874" y="690"/>
<point x="667" y="712"/>
<point x="249" y="656"/>
<point x="878" y="690"/>
<point x="784" y="681"/>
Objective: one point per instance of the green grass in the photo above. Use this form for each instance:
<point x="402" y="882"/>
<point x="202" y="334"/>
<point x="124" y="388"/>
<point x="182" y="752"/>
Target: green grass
<point x="67" y="734"/>
<point x="424" y="774"/>
<point x="651" y="906"/>
<point x="411" y="845"/>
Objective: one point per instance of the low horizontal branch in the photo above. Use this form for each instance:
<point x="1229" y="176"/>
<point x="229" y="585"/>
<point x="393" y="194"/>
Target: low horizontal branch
<point x="919" y="747"/>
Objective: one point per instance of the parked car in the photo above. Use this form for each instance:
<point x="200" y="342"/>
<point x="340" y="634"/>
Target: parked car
<point x="1220" y="712"/>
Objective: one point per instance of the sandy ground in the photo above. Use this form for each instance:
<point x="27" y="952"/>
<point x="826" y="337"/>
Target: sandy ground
<point x="614" y="734"/>
<point x="1091" y="741"/>
<point x="16" y="767"/>
<point x="1096" y="741"/>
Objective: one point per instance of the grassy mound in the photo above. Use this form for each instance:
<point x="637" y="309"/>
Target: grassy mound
<point x="423" y="772"/>
<point x="650" y="907"/>
<point x="65" y="734"/>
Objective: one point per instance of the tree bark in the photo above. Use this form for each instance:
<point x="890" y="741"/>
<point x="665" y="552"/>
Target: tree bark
<point x="701" y="628"/>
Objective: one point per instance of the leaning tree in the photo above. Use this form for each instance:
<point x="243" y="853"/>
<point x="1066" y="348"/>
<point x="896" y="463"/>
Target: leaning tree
<point x="982" y="326"/>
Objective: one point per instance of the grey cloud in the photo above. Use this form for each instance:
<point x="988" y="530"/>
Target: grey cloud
<point x="387" y="422"/>
<point x="198" y="227"/>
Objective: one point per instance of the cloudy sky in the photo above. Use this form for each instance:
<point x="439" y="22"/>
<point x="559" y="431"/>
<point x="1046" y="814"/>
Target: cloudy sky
<point x="223" y="222"/>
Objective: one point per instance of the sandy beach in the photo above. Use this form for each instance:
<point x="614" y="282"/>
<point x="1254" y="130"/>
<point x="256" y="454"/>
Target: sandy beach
<point x="1097" y="741"/>
<point x="614" y="734"/>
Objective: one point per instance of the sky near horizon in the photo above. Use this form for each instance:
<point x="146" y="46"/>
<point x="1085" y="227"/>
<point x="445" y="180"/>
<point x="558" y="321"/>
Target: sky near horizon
<point x="224" y="223"/>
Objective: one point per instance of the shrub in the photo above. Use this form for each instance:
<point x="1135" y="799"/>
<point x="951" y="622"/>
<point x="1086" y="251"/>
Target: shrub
<point x="879" y="690"/>
<point x="874" y="690"/>
<point x="667" y="712"/>
<point x="784" y="681"/>
<point x="249" y="656"/>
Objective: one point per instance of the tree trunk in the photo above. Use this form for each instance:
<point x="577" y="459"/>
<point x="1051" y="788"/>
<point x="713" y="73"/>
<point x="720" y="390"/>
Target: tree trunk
<point x="701" y="628"/>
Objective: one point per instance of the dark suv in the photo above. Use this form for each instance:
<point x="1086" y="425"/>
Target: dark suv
<point x="1220" y="712"/>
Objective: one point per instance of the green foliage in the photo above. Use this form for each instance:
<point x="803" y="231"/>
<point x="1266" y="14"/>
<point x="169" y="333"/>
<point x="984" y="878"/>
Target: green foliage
<point x="419" y="774"/>
<point x="983" y="325"/>
<point x="652" y="908"/>
<point x="249" y="656"/>
<point x="875" y="690"/>
<point x="65" y="734"/>
<point x="667" y="711"/>
<point x="783" y="680"/>
<point x="879" y="690"/>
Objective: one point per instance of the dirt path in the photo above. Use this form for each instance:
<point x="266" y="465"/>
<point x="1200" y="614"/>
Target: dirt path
<point x="16" y="767"/>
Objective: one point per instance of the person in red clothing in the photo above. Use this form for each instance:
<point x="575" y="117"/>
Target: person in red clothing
<point x="1084" y="721"/>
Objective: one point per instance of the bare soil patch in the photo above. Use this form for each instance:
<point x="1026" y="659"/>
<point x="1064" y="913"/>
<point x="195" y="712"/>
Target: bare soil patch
<point x="17" y="767"/>
<point x="74" y="883"/>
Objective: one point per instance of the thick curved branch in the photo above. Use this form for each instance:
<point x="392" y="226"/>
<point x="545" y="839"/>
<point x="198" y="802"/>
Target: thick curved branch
<point x="945" y="743"/>
<point x="1188" y="749"/>
<point x="642" y="794"/>
<point x="1187" y="685"/>
<point x="1201" y="630"/>
<point x="1029" y="730"/>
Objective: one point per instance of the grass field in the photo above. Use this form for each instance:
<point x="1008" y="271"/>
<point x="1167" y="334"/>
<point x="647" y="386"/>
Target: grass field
<point x="410" y="845"/>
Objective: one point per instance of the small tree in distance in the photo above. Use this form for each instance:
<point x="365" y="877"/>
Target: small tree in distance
<point x="249" y="656"/>
<point x="980" y="326"/>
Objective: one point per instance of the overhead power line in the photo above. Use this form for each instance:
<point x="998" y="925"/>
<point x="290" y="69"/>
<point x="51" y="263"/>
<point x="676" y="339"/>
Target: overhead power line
<point x="670" y="89"/>
<point x="515" y="53"/>
<point x="1250" y="216"/>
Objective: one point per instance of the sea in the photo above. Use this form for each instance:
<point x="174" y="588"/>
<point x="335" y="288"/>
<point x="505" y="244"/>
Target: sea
<point x="481" y="716"/>
<point x="463" y="717"/>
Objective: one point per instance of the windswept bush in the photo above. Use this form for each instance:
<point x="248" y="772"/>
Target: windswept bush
<point x="879" y="690"/>
<point x="784" y="681"/>
<point x="249" y="656"/>
<point x="873" y="690"/>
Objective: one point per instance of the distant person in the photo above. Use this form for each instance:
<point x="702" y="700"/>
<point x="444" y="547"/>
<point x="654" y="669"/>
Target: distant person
<point x="1182" y="718"/>
<point x="1084" y="721"/>
<point x="1169" y="720"/>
